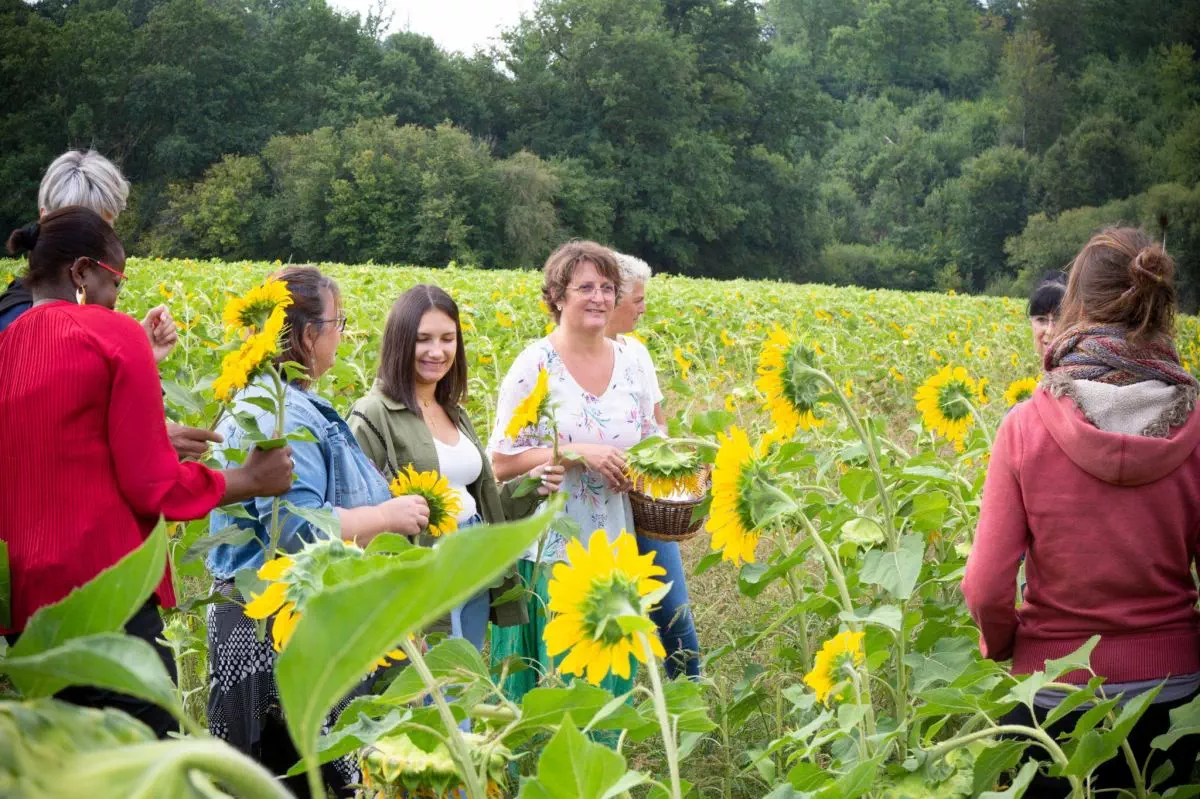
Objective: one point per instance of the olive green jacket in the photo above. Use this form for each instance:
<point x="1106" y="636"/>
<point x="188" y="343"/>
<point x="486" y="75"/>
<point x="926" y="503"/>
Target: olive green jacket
<point x="394" y="437"/>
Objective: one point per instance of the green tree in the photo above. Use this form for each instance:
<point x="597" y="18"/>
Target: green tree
<point x="1032" y="92"/>
<point x="1095" y="163"/>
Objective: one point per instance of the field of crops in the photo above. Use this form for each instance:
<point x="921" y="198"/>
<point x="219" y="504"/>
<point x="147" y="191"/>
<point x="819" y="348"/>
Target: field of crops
<point x="863" y="520"/>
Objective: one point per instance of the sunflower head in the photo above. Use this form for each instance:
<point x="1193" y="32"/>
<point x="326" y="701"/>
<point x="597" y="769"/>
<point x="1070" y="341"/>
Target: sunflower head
<point x="600" y="600"/>
<point x="661" y="469"/>
<point x="946" y="402"/>
<point x="252" y="311"/>
<point x="791" y="392"/>
<point x="832" y="665"/>
<point x="444" y="501"/>
<point x="731" y="518"/>
<point x="530" y="411"/>
<point x="1019" y="390"/>
<point x="395" y="766"/>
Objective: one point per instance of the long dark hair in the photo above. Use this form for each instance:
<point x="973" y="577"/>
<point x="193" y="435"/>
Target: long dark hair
<point x="306" y="283"/>
<point x="62" y="236"/>
<point x="1122" y="277"/>
<point x="397" y="355"/>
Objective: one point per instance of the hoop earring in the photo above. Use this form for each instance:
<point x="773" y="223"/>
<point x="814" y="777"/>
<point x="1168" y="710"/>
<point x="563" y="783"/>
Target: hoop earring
<point x="81" y="295"/>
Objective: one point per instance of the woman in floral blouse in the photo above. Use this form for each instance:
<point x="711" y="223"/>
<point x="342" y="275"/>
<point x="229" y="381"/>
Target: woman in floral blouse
<point x="600" y="401"/>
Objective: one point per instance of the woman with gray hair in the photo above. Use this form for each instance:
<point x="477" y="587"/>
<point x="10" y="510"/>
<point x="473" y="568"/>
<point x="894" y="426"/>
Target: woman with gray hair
<point x="673" y="614"/>
<point x="91" y="181"/>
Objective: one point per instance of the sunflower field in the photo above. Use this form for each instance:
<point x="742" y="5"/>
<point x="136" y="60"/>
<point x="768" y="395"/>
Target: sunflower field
<point x="848" y="432"/>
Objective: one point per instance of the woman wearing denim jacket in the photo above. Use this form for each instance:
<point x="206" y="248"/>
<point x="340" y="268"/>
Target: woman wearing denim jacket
<point x="673" y="616"/>
<point x="413" y="417"/>
<point x="332" y="474"/>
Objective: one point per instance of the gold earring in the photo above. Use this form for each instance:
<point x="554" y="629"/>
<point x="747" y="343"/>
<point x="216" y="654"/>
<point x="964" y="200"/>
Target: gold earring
<point x="81" y="295"/>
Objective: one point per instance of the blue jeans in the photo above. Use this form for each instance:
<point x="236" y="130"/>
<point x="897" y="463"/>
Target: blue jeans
<point x="470" y="619"/>
<point x="674" y="614"/>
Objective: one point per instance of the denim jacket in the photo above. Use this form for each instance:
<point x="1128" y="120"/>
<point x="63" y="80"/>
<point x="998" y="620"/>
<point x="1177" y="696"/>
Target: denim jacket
<point x="331" y="472"/>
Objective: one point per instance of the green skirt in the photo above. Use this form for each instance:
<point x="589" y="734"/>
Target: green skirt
<point x="526" y="643"/>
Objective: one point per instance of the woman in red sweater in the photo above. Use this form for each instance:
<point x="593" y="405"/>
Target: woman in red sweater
<point x="1094" y="481"/>
<point x="86" y="467"/>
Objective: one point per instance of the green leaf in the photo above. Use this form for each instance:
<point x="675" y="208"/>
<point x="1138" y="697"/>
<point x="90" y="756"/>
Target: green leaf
<point x="181" y="397"/>
<point x="103" y="605"/>
<point x="896" y="572"/>
<point x="949" y="658"/>
<point x="685" y="703"/>
<point x="301" y="434"/>
<point x="1081" y="658"/>
<point x="454" y="660"/>
<point x="706" y="563"/>
<point x="265" y="403"/>
<point x="324" y="520"/>
<point x="1073" y="700"/>
<point x="997" y="758"/>
<point x="1019" y="785"/>
<point x="581" y="702"/>
<point x="1185" y="720"/>
<point x="232" y="535"/>
<point x="368" y="616"/>
<point x="572" y="767"/>
<point x="710" y="423"/>
<point x="354" y="731"/>
<point x="392" y="543"/>
<point x="888" y="616"/>
<point x="858" y="485"/>
<point x="114" y="661"/>
<point x="928" y="511"/>
<point x="526" y="487"/>
<point x="863" y="532"/>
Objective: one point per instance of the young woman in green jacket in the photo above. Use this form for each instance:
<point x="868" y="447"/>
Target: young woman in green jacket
<point x="413" y="416"/>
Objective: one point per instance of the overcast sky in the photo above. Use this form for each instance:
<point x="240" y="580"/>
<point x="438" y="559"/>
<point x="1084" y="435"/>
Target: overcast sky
<point x="460" y="25"/>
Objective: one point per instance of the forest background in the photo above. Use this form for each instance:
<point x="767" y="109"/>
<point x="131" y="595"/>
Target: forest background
<point x="918" y="144"/>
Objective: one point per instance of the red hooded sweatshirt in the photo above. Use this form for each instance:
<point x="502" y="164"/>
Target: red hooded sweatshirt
<point x="1108" y="524"/>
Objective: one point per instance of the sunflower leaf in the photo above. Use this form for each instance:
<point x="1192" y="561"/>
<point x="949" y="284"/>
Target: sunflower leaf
<point x="368" y="615"/>
<point x="572" y="767"/>
<point x="896" y="572"/>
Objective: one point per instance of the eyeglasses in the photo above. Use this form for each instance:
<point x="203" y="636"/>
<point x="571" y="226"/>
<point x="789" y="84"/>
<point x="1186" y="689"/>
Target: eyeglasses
<point x="340" y="319"/>
<point x="589" y="289"/>
<point x="120" y="281"/>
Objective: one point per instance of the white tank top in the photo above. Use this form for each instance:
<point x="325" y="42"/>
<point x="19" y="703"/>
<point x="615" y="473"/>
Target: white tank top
<point x="461" y="465"/>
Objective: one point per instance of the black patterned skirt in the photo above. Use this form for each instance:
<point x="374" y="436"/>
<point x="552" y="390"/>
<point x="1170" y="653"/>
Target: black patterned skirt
<point x="243" y="699"/>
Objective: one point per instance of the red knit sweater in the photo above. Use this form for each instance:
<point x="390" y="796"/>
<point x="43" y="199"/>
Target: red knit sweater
<point x="1109" y="525"/>
<point x="86" y="467"/>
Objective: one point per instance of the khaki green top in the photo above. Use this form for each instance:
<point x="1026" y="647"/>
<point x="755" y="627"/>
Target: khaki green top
<point x="394" y="437"/>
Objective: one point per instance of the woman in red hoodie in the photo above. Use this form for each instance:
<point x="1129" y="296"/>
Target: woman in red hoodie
<point x="1094" y="481"/>
<point x="86" y="468"/>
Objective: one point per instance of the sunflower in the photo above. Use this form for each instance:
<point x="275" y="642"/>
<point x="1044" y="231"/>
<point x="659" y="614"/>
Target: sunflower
<point x="683" y="363"/>
<point x="945" y="402"/>
<point x="444" y="502"/>
<point x="530" y="411"/>
<point x="252" y="310"/>
<point x="289" y="586"/>
<point x="661" y="470"/>
<point x="258" y="317"/>
<point x="843" y="651"/>
<point x="730" y="521"/>
<point x="395" y="766"/>
<point x="1020" y="390"/>
<point x="791" y="394"/>
<point x="598" y="598"/>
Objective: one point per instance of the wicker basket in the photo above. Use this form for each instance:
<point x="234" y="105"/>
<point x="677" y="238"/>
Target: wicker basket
<point x="667" y="519"/>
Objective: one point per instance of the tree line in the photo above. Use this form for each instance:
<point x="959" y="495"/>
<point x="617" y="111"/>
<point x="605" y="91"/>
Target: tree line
<point x="901" y="143"/>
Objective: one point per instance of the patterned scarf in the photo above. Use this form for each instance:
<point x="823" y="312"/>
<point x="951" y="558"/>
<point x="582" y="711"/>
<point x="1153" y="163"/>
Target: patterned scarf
<point x="1104" y="355"/>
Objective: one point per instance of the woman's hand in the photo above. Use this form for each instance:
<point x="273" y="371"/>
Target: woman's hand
<point x="191" y="442"/>
<point x="551" y="476"/>
<point x="407" y="515"/>
<point x="605" y="460"/>
<point x="160" y="329"/>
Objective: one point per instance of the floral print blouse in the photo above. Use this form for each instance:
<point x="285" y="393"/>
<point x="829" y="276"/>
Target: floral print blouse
<point x="621" y="417"/>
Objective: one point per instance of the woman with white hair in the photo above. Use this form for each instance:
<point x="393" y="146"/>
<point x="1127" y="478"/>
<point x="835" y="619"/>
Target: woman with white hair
<point x="673" y="616"/>
<point x="91" y="181"/>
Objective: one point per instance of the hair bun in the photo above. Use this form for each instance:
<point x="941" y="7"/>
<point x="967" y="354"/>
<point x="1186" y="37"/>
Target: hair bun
<point x="24" y="239"/>
<point x="1151" y="267"/>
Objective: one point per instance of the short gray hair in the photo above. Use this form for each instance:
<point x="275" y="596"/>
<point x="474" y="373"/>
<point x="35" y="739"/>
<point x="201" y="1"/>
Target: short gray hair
<point x="88" y="179"/>
<point x="633" y="270"/>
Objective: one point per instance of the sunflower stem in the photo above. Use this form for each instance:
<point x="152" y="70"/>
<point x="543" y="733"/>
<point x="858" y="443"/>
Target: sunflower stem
<point x="872" y="446"/>
<point x="664" y="718"/>
<point x="280" y="408"/>
<point x="832" y="565"/>
<point x="987" y="431"/>
<point x="454" y="740"/>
